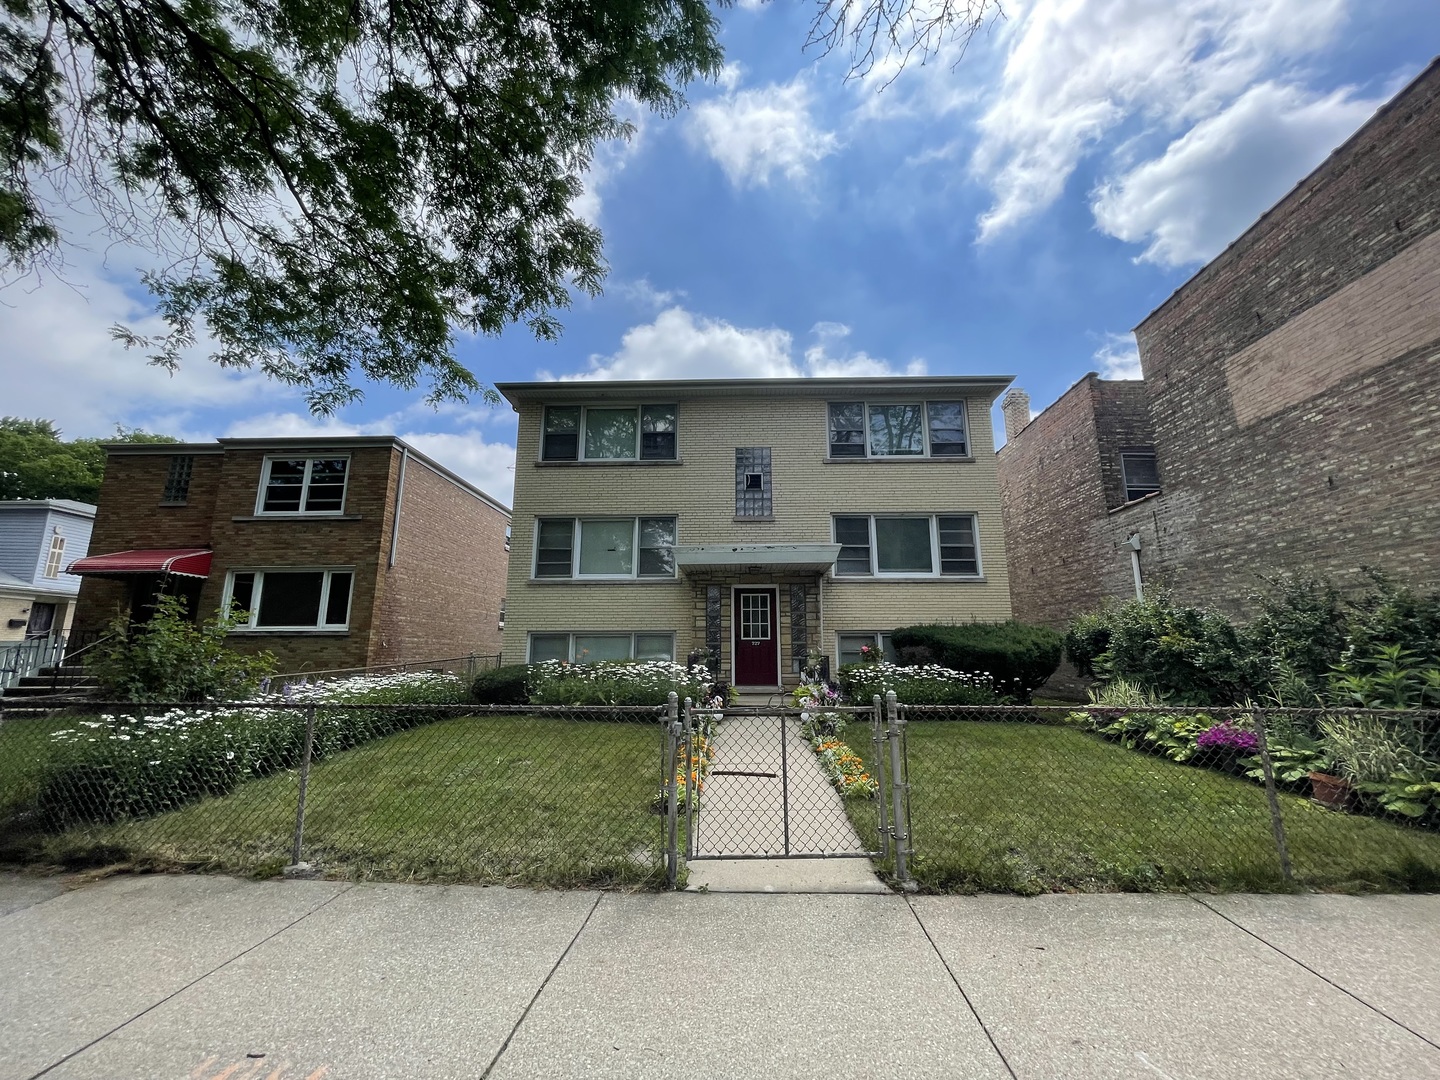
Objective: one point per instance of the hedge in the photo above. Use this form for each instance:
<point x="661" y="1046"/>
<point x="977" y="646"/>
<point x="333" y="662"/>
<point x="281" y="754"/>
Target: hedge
<point x="1017" y="657"/>
<point x="502" y="686"/>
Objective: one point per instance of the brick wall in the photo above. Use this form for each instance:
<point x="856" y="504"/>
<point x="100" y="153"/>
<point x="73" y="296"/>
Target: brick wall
<point x="1294" y="382"/>
<point x="129" y="515"/>
<point x="700" y="492"/>
<point x="243" y="541"/>
<point x="442" y="596"/>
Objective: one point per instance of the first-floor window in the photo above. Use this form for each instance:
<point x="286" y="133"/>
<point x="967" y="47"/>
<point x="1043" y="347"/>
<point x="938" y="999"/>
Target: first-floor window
<point x="906" y="545"/>
<point x="290" y="599"/>
<point x="593" y="648"/>
<point x="853" y="644"/>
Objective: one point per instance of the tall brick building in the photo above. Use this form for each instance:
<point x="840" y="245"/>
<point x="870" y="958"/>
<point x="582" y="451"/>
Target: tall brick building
<point x="347" y="552"/>
<point x="1293" y="393"/>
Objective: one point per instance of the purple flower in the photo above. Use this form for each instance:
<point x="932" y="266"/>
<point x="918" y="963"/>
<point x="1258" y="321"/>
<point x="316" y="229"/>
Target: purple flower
<point x="1226" y="736"/>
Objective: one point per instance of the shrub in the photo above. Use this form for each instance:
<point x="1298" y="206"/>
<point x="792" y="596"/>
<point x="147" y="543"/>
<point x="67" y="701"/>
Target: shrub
<point x="1016" y="656"/>
<point x="1186" y="655"/>
<point x="623" y="683"/>
<point x="502" y="686"/>
<point x="171" y="658"/>
<point x="146" y="763"/>
<point x="1299" y="626"/>
<point x="927" y="684"/>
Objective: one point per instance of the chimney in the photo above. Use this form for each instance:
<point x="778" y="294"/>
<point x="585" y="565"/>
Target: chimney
<point x="1016" y="406"/>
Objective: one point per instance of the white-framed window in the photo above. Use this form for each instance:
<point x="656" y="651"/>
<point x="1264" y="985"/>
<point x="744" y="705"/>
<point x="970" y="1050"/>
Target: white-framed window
<point x="291" y="598"/>
<point x="1141" y="473"/>
<point x="904" y="429"/>
<point x="605" y="548"/>
<point x="592" y="648"/>
<point x="849" y="643"/>
<point x="55" y="557"/>
<point x="907" y="545"/>
<point x="303" y="485"/>
<point x="608" y="433"/>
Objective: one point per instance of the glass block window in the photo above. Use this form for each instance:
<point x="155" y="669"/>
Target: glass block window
<point x="177" y="480"/>
<point x="752" y="482"/>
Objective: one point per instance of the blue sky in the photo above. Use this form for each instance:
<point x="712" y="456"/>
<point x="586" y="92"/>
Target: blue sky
<point x="1016" y="213"/>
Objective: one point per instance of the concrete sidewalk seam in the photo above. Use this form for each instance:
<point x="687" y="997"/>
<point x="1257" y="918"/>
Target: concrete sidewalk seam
<point x="1323" y="978"/>
<point x="968" y="1003"/>
<point x="540" y="989"/>
<point x="198" y="979"/>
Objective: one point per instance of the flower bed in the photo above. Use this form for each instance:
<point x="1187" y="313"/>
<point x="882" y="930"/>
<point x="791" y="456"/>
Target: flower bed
<point x="142" y="763"/>
<point x="923" y="684"/>
<point x="645" y="682"/>
<point x="841" y="765"/>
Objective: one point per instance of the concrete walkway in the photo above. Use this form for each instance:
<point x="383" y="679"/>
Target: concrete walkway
<point x="761" y="801"/>
<point x="208" y="978"/>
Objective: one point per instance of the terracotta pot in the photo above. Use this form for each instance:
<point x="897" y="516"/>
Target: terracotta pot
<point x="1331" y="791"/>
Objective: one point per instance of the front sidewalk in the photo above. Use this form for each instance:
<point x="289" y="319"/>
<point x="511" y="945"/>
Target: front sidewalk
<point x="200" y="976"/>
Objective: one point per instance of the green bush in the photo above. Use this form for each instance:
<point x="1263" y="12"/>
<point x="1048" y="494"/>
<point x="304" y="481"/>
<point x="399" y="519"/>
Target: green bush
<point x="1017" y="657"/>
<point x="171" y="658"/>
<point x="1186" y="655"/>
<point x="502" y="686"/>
<point x="145" y="762"/>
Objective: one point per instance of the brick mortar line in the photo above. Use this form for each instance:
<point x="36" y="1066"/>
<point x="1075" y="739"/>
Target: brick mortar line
<point x="198" y="979"/>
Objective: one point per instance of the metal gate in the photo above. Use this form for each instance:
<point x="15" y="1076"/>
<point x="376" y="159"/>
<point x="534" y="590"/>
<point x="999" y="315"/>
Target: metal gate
<point x="766" y="783"/>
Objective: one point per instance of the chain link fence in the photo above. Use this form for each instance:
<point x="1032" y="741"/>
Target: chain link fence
<point x="1021" y="799"/>
<point x="1030" y="799"/>
<point x="530" y="795"/>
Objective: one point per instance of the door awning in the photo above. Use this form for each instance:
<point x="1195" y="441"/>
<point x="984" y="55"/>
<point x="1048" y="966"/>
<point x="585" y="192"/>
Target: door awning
<point x="793" y="558"/>
<point x="187" y="562"/>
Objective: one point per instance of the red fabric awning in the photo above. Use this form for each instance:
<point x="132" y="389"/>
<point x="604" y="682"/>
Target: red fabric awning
<point x="187" y="562"/>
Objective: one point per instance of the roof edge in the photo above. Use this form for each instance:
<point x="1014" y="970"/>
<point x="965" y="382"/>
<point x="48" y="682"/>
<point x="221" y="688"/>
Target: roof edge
<point x="651" y="389"/>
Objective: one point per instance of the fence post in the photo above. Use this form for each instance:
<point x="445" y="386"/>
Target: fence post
<point x="672" y="758"/>
<point x="692" y="769"/>
<point x="295" y="862"/>
<point x="1277" y="823"/>
<point x="897" y="785"/>
<point x="877" y="739"/>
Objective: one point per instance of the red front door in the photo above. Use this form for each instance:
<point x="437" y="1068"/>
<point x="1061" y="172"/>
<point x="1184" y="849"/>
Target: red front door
<point x="757" y="640"/>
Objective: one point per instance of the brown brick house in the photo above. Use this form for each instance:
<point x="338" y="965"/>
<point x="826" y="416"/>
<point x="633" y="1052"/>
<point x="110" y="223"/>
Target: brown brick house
<point x="347" y="552"/>
<point x="1291" y="394"/>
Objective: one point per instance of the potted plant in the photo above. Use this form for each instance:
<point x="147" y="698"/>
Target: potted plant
<point x="1368" y="750"/>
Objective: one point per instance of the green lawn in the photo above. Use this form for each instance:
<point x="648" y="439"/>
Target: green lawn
<point x="511" y="800"/>
<point x="25" y="750"/>
<point x="1030" y="808"/>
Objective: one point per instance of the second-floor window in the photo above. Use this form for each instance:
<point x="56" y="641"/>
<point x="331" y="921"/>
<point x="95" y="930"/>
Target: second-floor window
<point x="302" y="485"/>
<point x="911" y="429"/>
<point x="605" y="547"/>
<point x="1142" y="474"/>
<point x="609" y="433"/>
<point x="177" y="480"/>
<point x="55" y="557"/>
<point x="881" y="545"/>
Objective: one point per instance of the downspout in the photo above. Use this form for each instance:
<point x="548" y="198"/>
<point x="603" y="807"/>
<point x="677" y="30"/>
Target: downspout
<point x="399" y="501"/>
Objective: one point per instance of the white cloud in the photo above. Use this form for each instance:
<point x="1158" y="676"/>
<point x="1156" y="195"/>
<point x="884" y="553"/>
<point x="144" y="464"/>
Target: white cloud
<point x="1118" y="357"/>
<point x="762" y="132"/>
<point x="609" y="160"/>
<point x="490" y="466"/>
<point x="643" y="294"/>
<point x="1211" y="183"/>
<point x="1077" y="70"/>
<point x="681" y="345"/>
<point x="60" y="362"/>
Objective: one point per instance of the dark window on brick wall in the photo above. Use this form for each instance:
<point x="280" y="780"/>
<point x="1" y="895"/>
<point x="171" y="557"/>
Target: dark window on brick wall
<point x="752" y="482"/>
<point x="177" y="480"/>
<point x="1142" y="474"/>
